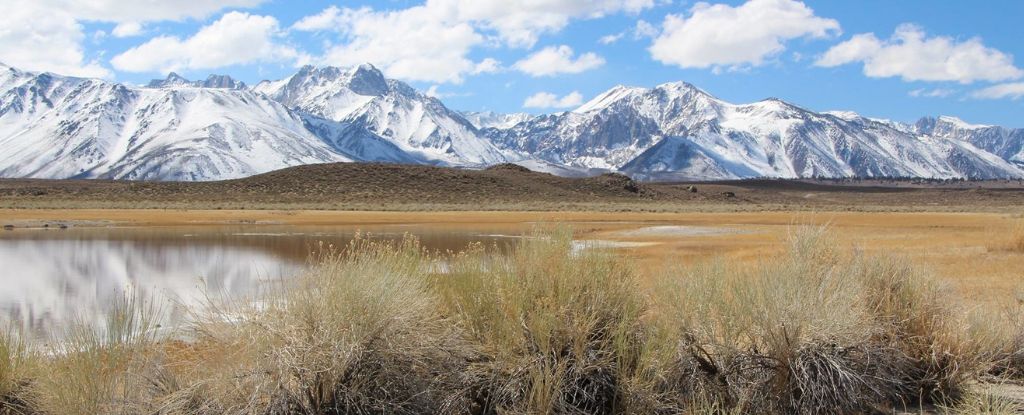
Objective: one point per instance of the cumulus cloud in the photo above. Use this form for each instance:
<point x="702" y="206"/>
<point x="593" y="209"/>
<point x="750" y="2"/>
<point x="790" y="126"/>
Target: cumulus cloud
<point x="1013" y="90"/>
<point x="36" y="38"/>
<point x="546" y="100"/>
<point x="235" y="38"/>
<point x="746" y="35"/>
<point x="519" y="23"/>
<point x="127" y="29"/>
<point x="612" y="38"/>
<point x="143" y="11"/>
<point x="931" y="93"/>
<point x="912" y="56"/>
<point x="46" y="35"/>
<point x="556" y="60"/>
<point x="432" y="42"/>
<point x="488" y="65"/>
<point x="644" y="30"/>
<point x="419" y="43"/>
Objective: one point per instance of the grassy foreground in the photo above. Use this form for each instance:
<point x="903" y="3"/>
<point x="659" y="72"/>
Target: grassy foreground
<point x="390" y="328"/>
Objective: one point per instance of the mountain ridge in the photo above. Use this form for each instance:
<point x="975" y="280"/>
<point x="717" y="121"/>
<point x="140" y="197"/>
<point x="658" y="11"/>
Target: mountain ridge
<point x="53" y="126"/>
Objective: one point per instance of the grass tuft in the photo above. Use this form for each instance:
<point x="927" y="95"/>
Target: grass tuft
<point x="359" y="333"/>
<point x="16" y="368"/>
<point x="983" y="402"/>
<point x="814" y="332"/>
<point x="386" y="327"/>
<point x="556" y="330"/>
<point x="101" y="368"/>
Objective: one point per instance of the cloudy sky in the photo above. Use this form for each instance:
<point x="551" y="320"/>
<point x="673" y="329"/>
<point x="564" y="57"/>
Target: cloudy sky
<point x="897" y="60"/>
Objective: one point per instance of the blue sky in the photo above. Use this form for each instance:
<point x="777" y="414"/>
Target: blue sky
<point x="898" y="60"/>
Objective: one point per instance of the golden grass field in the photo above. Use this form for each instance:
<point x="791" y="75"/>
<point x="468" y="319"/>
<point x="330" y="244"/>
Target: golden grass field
<point x="699" y="313"/>
<point x="979" y="255"/>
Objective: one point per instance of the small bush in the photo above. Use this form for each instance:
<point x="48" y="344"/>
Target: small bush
<point x="983" y="402"/>
<point x="812" y="332"/>
<point x="106" y="368"/>
<point x="359" y="333"/>
<point x="557" y="330"/>
<point x="16" y="368"/>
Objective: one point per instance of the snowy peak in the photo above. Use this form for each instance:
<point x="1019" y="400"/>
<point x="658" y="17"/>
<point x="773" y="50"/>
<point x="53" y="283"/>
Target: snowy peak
<point x="389" y="108"/>
<point x="677" y="130"/>
<point x="490" y="119"/>
<point x="54" y="126"/>
<point x="609" y="97"/>
<point x="174" y="80"/>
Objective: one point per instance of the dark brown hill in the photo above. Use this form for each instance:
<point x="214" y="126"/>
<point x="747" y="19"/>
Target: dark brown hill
<point x="373" y="186"/>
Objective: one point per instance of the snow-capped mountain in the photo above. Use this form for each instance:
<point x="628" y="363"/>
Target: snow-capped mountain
<point x="59" y="127"/>
<point x="1006" y="143"/>
<point x="491" y="119"/>
<point x="213" y="81"/>
<point x="362" y="96"/>
<point x="54" y="126"/>
<point x="677" y="131"/>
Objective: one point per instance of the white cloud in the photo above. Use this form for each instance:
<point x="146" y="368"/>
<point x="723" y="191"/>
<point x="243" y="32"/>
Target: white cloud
<point x="488" y="65"/>
<point x="612" y="38"/>
<point x="431" y="42"/>
<point x="36" y="38"/>
<point x="419" y="43"/>
<point x="127" y="29"/>
<point x="555" y="60"/>
<point x="549" y="100"/>
<point x="328" y="19"/>
<point x="1013" y="90"/>
<point x="519" y="23"/>
<point x="931" y="93"/>
<point x="46" y="35"/>
<point x="644" y="30"/>
<point x="912" y="56"/>
<point x="143" y="11"/>
<point x="235" y="38"/>
<point x="745" y="35"/>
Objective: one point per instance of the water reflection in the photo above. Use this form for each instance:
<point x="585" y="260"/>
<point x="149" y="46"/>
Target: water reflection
<point x="50" y="276"/>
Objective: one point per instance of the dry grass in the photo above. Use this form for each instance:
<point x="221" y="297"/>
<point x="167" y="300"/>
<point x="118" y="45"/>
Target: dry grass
<point x="814" y="332"/>
<point x="359" y="333"/>
<point x="379" y="327"/>
<point x="1017" y="238"/>
<point x="983" y="402"/>
<point x="16" y="368"/>
<point x="555" y="331"/>
<point x="106" y="368"/>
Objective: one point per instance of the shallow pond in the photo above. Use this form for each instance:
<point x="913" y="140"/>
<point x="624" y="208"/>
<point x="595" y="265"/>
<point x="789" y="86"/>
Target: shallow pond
<point x="48" y="276"/>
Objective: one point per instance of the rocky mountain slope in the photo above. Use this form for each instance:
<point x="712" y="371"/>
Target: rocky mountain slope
<point x="417" y="123"/>
<point x="677" y="131"/>
<point x="54" y="126"/>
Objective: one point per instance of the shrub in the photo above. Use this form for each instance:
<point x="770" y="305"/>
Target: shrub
<point x="556" y="330"/>
<point x="100" y="368"/>
<point x="359" y="333"/>
<point x="812" y="332"/>
<point x="16" y="367"/>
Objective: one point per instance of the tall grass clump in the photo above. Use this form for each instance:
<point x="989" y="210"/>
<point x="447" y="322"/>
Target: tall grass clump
<point x="1017" y="237"/>
<point x="1006" y="340"/>
<point x="555" y="329"/>
<point x="358" y="333"/>
<point x="16" y="368"/>
<point x="811" y="331"/>
<point x="983" y="401"/>
<point x="92" y="368"/>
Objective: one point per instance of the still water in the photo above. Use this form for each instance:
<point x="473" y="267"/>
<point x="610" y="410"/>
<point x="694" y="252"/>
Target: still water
<point x="50" y="276"/>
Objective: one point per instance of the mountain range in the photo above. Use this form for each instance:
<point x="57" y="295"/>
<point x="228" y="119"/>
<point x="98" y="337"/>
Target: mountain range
<point x="54" y="126"/>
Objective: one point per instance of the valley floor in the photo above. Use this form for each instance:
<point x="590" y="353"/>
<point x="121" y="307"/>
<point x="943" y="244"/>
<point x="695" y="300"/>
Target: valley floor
<point x="976" y="253"/>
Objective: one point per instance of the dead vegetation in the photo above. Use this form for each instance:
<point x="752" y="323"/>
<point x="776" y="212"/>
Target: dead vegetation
<point x="377" y="327"/>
